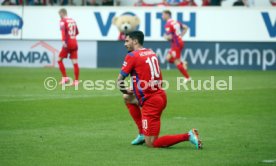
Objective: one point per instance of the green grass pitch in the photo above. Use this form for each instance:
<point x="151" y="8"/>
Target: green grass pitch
<point x="48" y="128"/>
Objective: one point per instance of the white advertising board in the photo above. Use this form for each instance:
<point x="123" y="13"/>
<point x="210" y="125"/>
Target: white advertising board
<point x="11" y="22"/>
<point x="205" y="24"/>
<point x="43" y="53"/>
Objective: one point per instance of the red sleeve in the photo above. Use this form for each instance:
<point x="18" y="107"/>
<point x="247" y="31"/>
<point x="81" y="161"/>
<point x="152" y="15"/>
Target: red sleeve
<point x="146" y="4"/>
<point x="128" y="64"/>
<point x="205" y="3"/>
<point x="62" y="29"/>
<point x="184" y="3"/>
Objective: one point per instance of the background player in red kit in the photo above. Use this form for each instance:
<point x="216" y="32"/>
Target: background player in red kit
<point x="174" y="33"/>
<point x="143" y="65"/>
<point x="69" y="31"/>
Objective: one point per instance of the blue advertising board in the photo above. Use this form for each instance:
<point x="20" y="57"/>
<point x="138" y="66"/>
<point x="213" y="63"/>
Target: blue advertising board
<point x="200" y="55"/>
<point x="9" y="21"/>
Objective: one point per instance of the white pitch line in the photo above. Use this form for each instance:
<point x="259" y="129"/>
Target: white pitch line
<point x="39" y="97"/>
<point x="234" y="89"/>
<point x="31" y="97"/>
<point x="269" y="161"/>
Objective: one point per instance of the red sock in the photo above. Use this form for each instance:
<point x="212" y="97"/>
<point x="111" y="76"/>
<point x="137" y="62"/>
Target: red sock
<point x="76" y="71"/>
<point x="62" y="68"/>
<point x="183" y="70"/>
<point x="135" y="112"/>
<point x="169" y="140"/>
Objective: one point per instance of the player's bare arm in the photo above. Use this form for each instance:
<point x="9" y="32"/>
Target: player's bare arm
<point x="64" y="44"/>
<point x="62" y="29"/>
<point x="121" y="85"/>
<point x="167" y="37"/>
<point x="185" y="29"/>
<point x="63" y="34"/>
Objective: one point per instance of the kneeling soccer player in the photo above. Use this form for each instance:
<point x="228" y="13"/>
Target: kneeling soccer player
<point x="143" y="65"/>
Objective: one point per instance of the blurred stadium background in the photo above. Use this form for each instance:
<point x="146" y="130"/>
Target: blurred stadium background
<point x="79" y="127"/>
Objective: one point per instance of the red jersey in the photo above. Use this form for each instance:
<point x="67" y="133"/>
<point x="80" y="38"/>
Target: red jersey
<point x="143" y="4"/>
<point x="187" y="3"/>
<point x="175" y="29"/>
<point x="69" y="31"/>
<point x="145" y="72"/>
<point x="205" y="2"/>
<point x="162" y="4"/>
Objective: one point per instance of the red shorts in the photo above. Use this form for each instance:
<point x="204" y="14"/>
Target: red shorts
<point x="176" y="53"/>
<point x="151" y="114"/>
<point x="65" y="51"/>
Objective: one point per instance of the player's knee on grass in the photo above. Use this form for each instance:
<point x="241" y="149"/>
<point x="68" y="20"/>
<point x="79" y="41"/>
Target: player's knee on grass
<point x="149" y="141"/>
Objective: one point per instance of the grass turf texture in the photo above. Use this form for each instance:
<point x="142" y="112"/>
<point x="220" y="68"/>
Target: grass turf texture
<point x="41" y="127"/>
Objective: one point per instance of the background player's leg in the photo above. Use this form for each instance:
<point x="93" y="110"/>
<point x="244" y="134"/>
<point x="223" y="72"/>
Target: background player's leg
<point x="181" y="68"/>
<point x="76" y="68"/>
<point x="62" y="67"/>
<point x="176" y="59"/>
<point x="76" y="71"/>
<point x="63" y="54"/>
<point x="74" y="58"/>
<point x="63" y="71"/>
<point x="170" y="57"/>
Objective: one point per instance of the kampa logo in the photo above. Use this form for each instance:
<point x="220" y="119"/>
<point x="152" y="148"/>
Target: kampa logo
<point x="270" y="24"/>
<point x="10" y="23"/>
<point x="40" y="53"/>
<point x="54" y="52"/>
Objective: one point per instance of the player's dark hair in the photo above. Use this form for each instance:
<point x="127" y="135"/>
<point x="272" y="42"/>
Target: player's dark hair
<point x="63" y="10"/>
<point x="138" y="35"/>
<point x="168" y="12"/>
